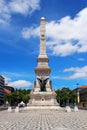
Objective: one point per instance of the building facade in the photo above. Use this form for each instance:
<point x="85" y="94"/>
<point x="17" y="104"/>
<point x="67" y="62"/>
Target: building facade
<point x="81" y="93"/>
<point x="2" y="83"/>
<point x="83" y="96"/>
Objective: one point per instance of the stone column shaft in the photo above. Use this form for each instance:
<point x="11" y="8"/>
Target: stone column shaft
<point x="42" y="36"/>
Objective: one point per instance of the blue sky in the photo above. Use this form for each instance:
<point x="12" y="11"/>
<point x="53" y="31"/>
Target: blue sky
<point x="66" y="35"/>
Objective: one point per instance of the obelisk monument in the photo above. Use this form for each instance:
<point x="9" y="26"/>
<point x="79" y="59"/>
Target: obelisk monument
<point x="42" y="94"/>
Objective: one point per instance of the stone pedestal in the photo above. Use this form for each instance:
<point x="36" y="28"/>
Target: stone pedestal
<point x="43" y="99"/>
<point x="68" y="109"/>
<point x="76" y="108"/>
<point x="9" y="109"/>
<point x="17" y="109"/>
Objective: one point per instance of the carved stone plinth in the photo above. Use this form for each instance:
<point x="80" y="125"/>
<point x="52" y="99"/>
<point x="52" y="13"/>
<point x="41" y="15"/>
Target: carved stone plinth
<point x="43" y="99"/>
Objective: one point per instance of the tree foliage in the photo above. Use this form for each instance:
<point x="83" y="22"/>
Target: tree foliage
<point x="17" y="96"/>
<point x="65" y="96"/>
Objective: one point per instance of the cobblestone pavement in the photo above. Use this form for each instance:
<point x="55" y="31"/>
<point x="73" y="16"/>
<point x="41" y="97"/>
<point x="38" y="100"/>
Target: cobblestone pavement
<point x="43" y="120"/>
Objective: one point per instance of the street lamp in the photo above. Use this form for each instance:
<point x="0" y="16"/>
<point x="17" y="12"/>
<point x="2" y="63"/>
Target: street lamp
<point x="10" y="99"/>
<point x="77" y="93"/>
<point x="59" y="100"/>
<point x="17" y="97"/>
<point x="67" y="98"/>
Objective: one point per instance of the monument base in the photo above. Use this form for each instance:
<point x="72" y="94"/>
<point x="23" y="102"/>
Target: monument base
<point x="56" y="108"/>
<point x="43" y="99"/>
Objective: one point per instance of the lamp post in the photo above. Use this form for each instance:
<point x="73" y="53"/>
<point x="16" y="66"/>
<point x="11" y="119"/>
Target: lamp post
<point x="77" y="99"/>
<point x="17" y="97"/>
<point x="17" y="107"/>
<point x="68" y="109"/>
<point x="59" y="100"/>
<point x="9" y="108"/>
<point x="10" y="99"/>
<point x="77" y="94"/>
<point x="67" y="98"/>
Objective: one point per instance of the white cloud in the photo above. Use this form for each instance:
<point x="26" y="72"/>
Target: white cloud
<point x="28" y="32"/>
<point x="66" y="36"/>
<point x="7" y="79"/>
<point x="17" y="83"/>
<point x="69" y="35"/>
<point x="4" y="12"/>
<point x="20" y="83"/>
<point x="14" y="74"/>
<point x="24" y="7"/>
<point x="64" y="49"/>
<point x="78" y="72"/>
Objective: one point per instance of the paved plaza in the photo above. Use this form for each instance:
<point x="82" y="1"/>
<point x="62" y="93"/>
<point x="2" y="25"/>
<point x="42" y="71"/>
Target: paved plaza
<point x="43" y="120"/>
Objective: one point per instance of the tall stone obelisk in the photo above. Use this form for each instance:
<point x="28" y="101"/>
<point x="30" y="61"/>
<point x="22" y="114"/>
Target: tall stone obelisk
<point x="42" y="93"/>
<point x="43" y="70"/>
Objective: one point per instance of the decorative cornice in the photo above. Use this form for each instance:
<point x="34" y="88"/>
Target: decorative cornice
<point x="42" y="59"/>
<point x="47" y="70"/>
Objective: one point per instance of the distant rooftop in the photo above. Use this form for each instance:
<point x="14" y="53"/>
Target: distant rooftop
<point x="83" y="86"/>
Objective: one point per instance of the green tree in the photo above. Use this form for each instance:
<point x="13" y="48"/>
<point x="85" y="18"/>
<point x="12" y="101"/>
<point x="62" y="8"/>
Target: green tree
<point x="65" y="96"/>
<point x="58" y="96"/>
<point x="17" y="96"/>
